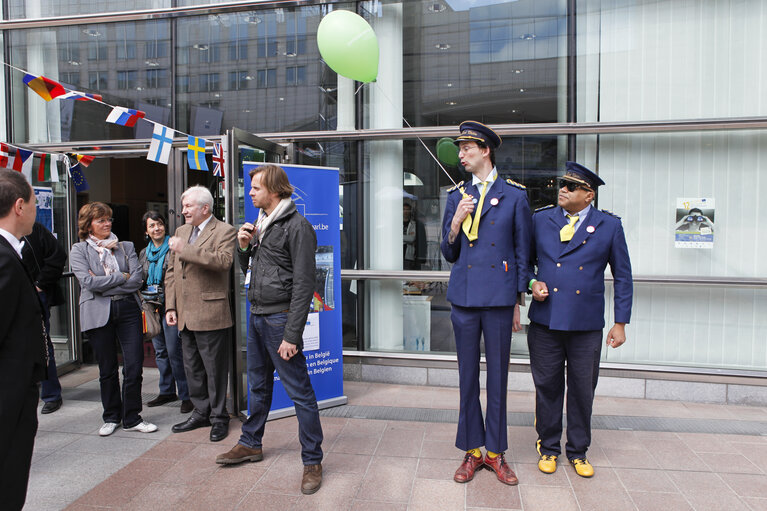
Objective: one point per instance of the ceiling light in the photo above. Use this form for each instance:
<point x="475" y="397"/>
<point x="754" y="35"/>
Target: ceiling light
<point x="73" y="62"/>
<point x="152" y="63"/>
<point x="527" y="36"/>
<point x="518" y="71"/>
<point x="449" y="85"/>
<point x="451" y="103"/>
<point x="436" y="7"/>
<point x="92" y="32"/>
<point x="521" y="90"/>
<point x="442" y="46"/>
<point x="200" y="46"/>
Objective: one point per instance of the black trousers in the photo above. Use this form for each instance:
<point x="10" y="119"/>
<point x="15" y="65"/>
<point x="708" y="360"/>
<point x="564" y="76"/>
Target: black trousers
<point x="18" y="427"/>
<point x="206" y="364"/>
<point x="549" y="350"/>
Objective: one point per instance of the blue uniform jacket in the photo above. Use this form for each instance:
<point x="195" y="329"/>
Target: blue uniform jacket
<point x="574" y="271"/>
<point x="492" y="270"/>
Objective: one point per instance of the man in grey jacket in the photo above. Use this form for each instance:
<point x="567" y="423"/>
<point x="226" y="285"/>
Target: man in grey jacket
<point x="277" y="256"/>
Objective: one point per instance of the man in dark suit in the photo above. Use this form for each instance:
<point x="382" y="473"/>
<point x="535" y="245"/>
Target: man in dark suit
<point x="572" y="245"/>
<point x="45" y="260"/>
<point x="487" y="282"/>
<point x="197" y="289"/>
<point x="22" y="341"/>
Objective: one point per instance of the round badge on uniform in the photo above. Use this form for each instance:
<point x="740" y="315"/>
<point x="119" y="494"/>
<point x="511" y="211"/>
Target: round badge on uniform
<point x="590" y="229"/>
<point x="494" y="201"/>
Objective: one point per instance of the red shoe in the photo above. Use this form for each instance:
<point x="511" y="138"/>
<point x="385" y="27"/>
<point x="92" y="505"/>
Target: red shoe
<point x="502" y="469"/>
<point x="465" y="472"/>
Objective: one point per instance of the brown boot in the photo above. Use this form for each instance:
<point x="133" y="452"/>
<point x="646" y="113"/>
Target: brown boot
<point x="312" y="479"/>
<point x="238" y="454"/>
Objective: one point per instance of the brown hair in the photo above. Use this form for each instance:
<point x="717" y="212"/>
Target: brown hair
<point x="88" y="214"/>
<point x="274" y="179"/>
<point x="13" y="186"/>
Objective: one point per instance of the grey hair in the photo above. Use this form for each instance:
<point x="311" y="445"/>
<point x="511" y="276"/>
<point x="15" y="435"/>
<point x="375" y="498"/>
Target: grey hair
<point x="200" y="195"/>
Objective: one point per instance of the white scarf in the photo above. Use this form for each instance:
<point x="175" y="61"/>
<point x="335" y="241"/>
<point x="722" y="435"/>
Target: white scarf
<point x="265" y="221"/>
<point x="105" y="250"/>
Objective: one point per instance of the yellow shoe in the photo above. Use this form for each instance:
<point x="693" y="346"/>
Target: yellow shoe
<point x="582" y="467"/>
<point x="547" y="463"/>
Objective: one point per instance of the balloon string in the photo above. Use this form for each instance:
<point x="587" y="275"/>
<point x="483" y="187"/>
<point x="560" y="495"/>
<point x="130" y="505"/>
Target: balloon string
<point x="419" y="138"/>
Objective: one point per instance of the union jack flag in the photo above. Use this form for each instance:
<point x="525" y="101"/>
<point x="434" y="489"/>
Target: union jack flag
<point x="218" y="160"/>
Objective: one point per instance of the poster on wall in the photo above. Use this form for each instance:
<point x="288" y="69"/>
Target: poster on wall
<point x="44" y="196"/>
<point x="317" y="198"/>
<point x="694" y="223"/>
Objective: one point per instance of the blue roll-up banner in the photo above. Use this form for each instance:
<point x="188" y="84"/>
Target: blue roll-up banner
<point x="317" y="198"/>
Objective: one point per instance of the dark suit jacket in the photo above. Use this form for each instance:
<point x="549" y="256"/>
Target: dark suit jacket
<point x="574" y="272"/>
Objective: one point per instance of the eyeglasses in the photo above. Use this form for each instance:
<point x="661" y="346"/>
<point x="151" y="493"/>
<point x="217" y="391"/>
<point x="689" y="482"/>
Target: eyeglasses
<point x="102" y="221"/>
<point x="571" y="187"/>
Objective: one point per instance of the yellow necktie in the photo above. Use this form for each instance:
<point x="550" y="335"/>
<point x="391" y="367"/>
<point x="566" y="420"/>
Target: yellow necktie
<point x="471" y="233"/>
<point x="567" y="232"/>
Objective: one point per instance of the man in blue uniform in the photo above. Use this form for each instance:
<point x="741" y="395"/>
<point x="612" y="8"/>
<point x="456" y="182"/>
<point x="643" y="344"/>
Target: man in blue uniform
<point x="488" y="280"/>
<point x="571" y="247"/>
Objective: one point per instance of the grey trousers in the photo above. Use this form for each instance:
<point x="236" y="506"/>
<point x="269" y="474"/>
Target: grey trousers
<point x="206" y="364"/>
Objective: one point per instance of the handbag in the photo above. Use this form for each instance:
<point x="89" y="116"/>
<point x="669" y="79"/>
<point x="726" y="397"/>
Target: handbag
<point x="150" y="319"/>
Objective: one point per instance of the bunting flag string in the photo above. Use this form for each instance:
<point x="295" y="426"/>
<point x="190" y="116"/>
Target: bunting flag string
<point x="159" y="149"/>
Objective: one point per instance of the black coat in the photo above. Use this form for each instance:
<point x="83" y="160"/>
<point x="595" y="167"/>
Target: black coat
<point x="45" y="259"/>
<point x="283" y="271"/>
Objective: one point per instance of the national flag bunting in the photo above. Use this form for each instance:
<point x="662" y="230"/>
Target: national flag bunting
<point x="125" y="116"/>
<point x="46" y="171"/>
<point x="162" y="142"/>
<point x="23" y="163"/>
<point x="7" y="156"/>
<point x="218" y="160"/>
<point x="44" y="87"/>
<point x="195" y="153"/>
<point x="84" y="159"/>
<point x="78" y="178"/>
<point x="82" y="96"/>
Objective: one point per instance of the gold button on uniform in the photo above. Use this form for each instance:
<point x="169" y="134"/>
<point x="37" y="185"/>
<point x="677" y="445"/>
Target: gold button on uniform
<point x="584" y="242"/>
<point x="471" y="244"/>
<point x="577" y="291"/>
<point x="469" y="266"/>
<point x="559" y="264"/>
<point x="580" y="267"/>
<point x="555" y="290"/>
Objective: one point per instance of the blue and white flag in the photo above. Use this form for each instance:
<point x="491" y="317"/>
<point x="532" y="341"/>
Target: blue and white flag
<point x="162" y="142"/>
<point x="125" y="116"/>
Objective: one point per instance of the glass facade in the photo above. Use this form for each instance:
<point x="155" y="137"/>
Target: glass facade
<point x="523" y="66"/>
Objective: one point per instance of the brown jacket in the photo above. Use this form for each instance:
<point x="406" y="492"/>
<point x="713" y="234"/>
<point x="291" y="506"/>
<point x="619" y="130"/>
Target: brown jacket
<point x="197" y="279"/>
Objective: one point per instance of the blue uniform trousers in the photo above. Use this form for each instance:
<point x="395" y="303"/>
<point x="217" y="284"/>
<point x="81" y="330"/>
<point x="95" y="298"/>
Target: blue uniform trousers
<point x="549" y="349"/>
<point x="494" y="323"/>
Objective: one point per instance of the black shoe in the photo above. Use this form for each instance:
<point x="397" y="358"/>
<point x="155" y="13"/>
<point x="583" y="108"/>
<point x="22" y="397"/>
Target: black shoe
<point x="162" y="399"/>
<point x="190" y="424"/>
<point x="186" y="406"/>
<point x="219" y="431"/>
<point x="51" y="406"/>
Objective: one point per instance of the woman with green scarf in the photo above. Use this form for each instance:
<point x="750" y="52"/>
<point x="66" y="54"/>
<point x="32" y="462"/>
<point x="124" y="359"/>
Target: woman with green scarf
<point x="167" y="345"/>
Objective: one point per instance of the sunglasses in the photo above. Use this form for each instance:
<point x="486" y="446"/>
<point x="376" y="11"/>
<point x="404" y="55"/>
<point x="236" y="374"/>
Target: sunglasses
<point x="571" y="187"/>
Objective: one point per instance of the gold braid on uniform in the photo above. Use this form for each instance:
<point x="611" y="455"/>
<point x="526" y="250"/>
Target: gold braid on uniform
<point x="516" y="185"/>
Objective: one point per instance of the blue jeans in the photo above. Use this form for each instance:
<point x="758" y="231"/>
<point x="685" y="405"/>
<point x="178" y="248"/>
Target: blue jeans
<point x="264" y="338"/>
<point x="170" y="362"/>
<point x="124" y="325"/>
<point x="50" y="389"/>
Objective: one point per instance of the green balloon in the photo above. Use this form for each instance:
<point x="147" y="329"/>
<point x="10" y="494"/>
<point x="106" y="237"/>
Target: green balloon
<point x="447" y="151"/>
<point x="348" y="45"/>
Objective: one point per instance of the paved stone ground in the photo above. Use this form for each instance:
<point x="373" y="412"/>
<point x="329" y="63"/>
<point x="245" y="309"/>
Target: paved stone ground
<point x="374" y="464"/>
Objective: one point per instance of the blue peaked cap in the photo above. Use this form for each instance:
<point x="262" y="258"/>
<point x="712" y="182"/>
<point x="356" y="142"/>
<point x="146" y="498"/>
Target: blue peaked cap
<point x="478" y="132"/>
<point x="577" y="173"/>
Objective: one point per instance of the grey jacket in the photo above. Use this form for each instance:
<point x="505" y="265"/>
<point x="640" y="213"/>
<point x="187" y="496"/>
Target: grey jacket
<point x="96" y="290"/>
<point x="283" y="271"/>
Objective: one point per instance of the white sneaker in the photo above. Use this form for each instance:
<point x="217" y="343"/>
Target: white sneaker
<point x="143" y="427"/>
<point x="108" y="428"/>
